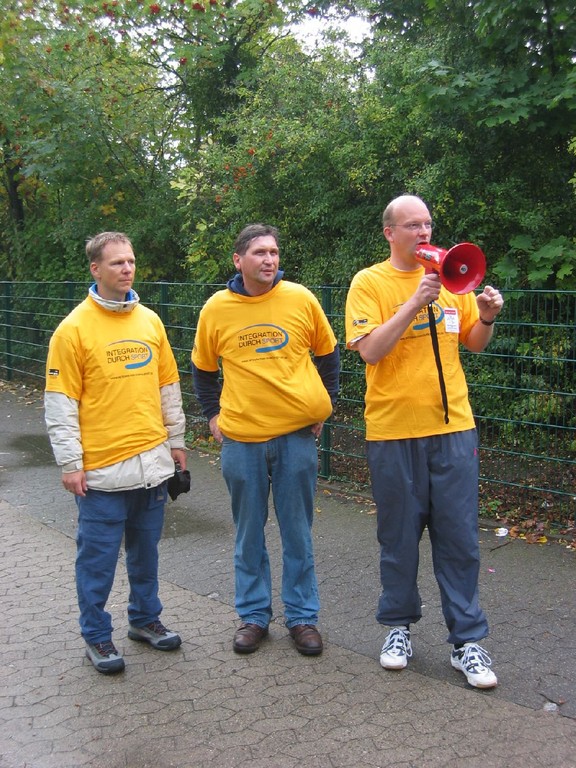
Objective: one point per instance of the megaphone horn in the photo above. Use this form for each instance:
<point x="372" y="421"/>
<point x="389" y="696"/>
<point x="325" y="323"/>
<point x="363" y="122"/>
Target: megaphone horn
<point x="461" y="269"/>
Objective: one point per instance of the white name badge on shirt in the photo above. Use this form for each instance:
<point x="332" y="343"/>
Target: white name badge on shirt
<point x="451" y="320"/>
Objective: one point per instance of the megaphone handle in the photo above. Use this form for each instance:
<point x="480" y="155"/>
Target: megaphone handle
<point x="436" y="348"/>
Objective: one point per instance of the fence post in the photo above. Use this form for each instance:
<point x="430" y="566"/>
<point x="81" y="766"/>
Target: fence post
<point x="163" y="308"/>
<point x="326" y="436"/>
<point x="70" y="295"/>
<point x="8" y="323"/>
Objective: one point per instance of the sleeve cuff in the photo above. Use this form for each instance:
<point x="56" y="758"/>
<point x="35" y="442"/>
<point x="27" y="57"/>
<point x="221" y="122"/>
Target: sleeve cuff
<point x="72" y="466"/>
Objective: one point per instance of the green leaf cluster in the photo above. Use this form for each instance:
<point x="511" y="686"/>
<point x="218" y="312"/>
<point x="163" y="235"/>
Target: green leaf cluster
<point x="180" y="122"/>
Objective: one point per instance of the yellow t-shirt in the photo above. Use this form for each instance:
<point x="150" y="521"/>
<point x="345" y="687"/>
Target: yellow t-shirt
<point x="403" y="397"/>
<point x="114" y="365"/>
<point x="271" y="386"/>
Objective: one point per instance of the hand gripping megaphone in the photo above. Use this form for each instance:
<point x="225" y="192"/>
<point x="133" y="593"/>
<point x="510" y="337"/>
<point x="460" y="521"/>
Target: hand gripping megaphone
<point x="461" y="269"/>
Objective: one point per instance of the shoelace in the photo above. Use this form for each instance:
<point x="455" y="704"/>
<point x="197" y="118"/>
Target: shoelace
<point x="157" y="627"/>
<point x="398" y="643"/>
<point x="106" y="649"/>
<point x="475" y="657"/>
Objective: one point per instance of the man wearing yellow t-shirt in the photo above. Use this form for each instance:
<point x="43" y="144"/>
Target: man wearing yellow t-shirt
<point x="114" y="416"/>
<point x="421" y="438"/>
<point x="267" y="416"/>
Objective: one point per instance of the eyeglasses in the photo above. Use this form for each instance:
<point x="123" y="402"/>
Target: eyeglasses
<point x="414" y="226"/>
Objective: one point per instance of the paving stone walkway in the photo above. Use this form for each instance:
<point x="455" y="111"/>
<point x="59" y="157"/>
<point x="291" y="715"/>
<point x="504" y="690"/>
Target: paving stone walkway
<point x="204" y="706"/>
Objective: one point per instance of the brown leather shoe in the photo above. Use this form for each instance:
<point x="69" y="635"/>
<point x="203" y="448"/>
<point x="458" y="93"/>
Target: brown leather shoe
<point x="248" y="638"/>
<point x="307" y="639"/>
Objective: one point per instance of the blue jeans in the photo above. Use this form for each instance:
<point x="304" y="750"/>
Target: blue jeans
<point x="289" y="465"/>
<point x="103" y="519"/>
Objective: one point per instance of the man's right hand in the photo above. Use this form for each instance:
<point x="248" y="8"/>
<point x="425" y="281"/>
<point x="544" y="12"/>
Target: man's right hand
<point x="75" y="482"/>
<point x="214" y="429"/>
<point x="428" y="290"/>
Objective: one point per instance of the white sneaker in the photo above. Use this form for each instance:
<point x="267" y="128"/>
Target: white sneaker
<point x="474" y="662"/>
<point x="397" y="649"/>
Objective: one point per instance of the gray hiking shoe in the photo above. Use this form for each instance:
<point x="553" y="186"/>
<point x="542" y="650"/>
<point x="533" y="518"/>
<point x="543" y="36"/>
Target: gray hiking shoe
<point x="156" y="635"/>
<point x="105" y="657"/>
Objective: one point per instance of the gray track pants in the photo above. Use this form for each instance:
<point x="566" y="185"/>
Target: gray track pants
<point x="431" y="481"/>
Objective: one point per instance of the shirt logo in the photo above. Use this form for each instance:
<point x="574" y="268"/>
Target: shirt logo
<point x="263" y="338"/>
<point x="134" y="353"/>
<point x="422" y="316"/>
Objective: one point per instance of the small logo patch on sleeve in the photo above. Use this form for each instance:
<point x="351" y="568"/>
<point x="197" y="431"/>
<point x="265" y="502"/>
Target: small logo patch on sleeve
<point x="54" y="372"/>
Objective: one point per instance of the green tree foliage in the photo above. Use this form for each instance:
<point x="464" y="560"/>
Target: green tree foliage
<point x="346" y="135"/>
<point x="83" y="146"/>
<point x="103" y="103"/>
<point x="503" y="75"/>
<point x="291" y="154"/>
<point x="182" y="121"/>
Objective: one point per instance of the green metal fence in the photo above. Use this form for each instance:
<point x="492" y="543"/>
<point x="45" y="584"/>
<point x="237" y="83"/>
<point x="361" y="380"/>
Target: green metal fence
<point x="522" y="388"/>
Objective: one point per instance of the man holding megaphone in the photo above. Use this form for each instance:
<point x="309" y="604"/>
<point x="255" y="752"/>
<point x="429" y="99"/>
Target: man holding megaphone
<point x="406" y="317"/>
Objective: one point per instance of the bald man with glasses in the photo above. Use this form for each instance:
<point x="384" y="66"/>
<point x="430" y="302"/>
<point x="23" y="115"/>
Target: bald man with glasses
<point x="422" y="445"/>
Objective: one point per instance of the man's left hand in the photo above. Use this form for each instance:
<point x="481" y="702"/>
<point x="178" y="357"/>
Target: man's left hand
<point x="179" y="456"/>
<point x="490" y="303"/>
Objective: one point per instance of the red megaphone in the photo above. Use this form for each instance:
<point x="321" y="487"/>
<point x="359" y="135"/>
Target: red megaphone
<point x="461" y="269"/>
